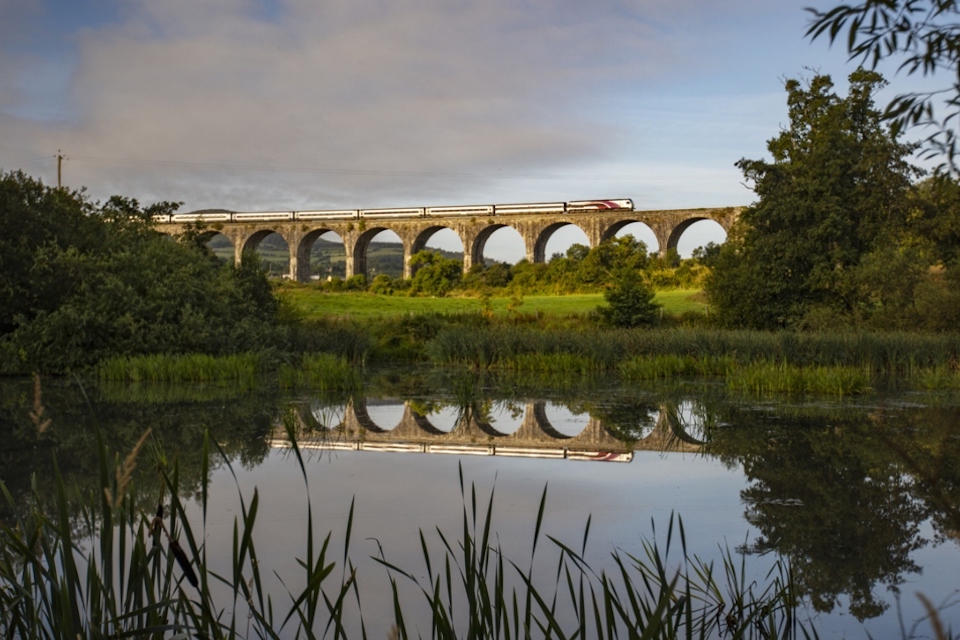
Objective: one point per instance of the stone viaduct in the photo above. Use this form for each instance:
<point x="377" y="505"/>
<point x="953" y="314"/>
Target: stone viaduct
<point x="535" y="229"/>
<point x="472" y="435"/>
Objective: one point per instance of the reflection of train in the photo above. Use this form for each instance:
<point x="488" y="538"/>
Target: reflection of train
<point x="579" y="206"/>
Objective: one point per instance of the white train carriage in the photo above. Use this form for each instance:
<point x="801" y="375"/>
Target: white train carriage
<point x="530" y="207"/>
<point x="416" y="212"/>
<point x="263" y="216"/>
<point x="225" y="216"/>
<point x="469" y="210"/>
<point x="161" y="218"/>
<point x="600" y="205"/>
<point x="340" y="214"/>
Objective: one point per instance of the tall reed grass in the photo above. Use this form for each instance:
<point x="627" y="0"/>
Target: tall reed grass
<point x="485" y="347"/>
<point x="938" y="377"/>
<point x="671" y="366"/>
<point x="324" y="371"/>
<point x="118" y="570"/>
<point x="763" y="378"/>
<point x="195" y="367"/>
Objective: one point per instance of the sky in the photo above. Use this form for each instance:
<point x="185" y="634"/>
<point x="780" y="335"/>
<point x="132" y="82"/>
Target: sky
<point x="342" y="104"/>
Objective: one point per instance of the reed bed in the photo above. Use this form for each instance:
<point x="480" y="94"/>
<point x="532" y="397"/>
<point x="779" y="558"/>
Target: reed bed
<point x="932" y="378"/>
<point x="100" y="565"/>
<point x="672" y="366"/>
<point x="762" y="378"/>
<point x="195" y="367"/>
<point x="553" y="362"/>
<point x="324" y="371"/>
<point x="672" y="352"/>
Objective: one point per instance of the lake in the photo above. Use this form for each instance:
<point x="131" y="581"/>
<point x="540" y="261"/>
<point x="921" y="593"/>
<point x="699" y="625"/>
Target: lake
<point x="860" y="496"/>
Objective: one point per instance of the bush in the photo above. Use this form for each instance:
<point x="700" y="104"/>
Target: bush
<point x="630" y="302"/>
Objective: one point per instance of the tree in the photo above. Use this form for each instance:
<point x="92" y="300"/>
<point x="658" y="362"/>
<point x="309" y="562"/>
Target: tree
<point x="88" y="281"/>
<point x="836" y="189"/>
<point x="435" y="275"/>
<point x="925" y="36"/>
<point x="630" y="302"/>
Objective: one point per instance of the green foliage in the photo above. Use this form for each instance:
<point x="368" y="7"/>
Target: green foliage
<point x="92" y="282"/>
<point x="925" y="36"/>
<point x="763" y="378"/>
<point x="194" y="367"/>
<point x="434" y="275"/>
<point x="325" y="372"/>
<point x="836" y="190"/>
<point x="630" y="302"/>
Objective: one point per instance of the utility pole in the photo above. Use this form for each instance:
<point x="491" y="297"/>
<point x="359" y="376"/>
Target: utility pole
<point x="59" y="167"/>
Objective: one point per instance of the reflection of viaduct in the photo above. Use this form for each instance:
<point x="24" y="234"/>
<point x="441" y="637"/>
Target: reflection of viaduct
<point x="535" y="437"/>
<point x="535" y="229"/>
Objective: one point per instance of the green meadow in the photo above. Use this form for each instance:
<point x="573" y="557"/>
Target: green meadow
<point x="312" y="303"/>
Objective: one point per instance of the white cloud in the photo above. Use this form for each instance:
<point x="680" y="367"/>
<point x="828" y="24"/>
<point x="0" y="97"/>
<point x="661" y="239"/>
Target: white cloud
<point x="370" y="103"/>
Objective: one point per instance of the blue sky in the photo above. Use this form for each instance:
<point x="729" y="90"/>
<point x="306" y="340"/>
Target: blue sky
<point x="306" y="104"/>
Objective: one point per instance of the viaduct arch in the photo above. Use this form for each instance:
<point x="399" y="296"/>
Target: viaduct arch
<point x="414" y="233"/>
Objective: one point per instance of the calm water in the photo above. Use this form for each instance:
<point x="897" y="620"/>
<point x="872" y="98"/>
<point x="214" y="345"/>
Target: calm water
<point x="862" y="497"/>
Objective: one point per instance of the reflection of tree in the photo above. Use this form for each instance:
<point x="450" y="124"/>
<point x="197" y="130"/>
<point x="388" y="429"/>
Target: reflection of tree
<point x="832" y="496"/>
<point x="177" y="429"/>
<point x="628" y="421"/>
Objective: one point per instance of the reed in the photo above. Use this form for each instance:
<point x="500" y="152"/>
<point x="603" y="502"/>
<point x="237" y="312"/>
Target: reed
<point x="195" y="367"/>
<point x="762" y="378"/>
<point x="118" y="570"/>
<point x="552" y="362"/>
<point x="671" y="366"/>
<point x="324" y="371"/>
<point x="932" y="378"/>
<point x="467" y="588"/>
<point x="889" y="353"/>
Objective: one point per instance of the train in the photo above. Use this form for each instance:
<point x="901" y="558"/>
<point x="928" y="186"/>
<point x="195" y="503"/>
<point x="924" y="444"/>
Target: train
<point x="478" y="211"/>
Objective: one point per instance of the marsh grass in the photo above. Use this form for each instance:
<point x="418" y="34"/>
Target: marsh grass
<point x="473" y="591"/>
<point x="932" y="378"/>
<point x="671" y="366"/>
<point x="324" y="371"/>
<point x="881" y="352"/>
<point x="762" y="378"/>
<point x="196" y="367"/>
<point x="99" y="565"/>
<point x="553" y="362"/>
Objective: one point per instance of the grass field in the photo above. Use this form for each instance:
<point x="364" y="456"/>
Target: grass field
<point x="315" y="304"/>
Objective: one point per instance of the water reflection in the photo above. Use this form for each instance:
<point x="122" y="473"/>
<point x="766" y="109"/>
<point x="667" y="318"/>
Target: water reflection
<point x="852" y="495"/>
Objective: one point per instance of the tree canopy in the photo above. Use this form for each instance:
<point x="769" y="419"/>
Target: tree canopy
<point x="835" y="191"/>
<point x="80" y="281"/>
<point x="924" y="36"/>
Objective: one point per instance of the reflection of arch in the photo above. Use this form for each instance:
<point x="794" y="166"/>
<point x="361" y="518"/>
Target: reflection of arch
<point x="669" y="419"/>
<point x="581" y="422"/>
<point x="543" y="422"/>
<point x="363" y="418"/>
<point x="540" y="244"/>
<point x="324" y="417"/>
<point x="305" y="247"/>
<point x="424" y="423"/>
